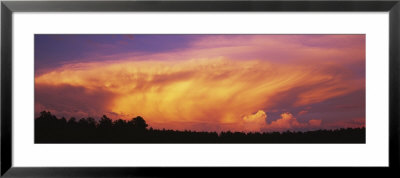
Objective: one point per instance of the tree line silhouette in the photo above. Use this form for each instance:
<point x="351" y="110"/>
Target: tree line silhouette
<point x="50" y="129"/>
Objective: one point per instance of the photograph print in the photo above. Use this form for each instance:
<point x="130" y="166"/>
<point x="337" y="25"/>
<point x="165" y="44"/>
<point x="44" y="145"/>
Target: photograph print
<point x="199" y="88"/>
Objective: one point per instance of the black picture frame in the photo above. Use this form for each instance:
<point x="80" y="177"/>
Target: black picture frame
<point x="8" y="7"/>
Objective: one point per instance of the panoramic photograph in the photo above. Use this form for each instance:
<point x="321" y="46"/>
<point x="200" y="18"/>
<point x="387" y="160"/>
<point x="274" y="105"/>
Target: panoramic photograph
<point x="199" y="88"/>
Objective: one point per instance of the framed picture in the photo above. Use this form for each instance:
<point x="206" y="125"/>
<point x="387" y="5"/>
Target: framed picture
<point x="154" y="88"/>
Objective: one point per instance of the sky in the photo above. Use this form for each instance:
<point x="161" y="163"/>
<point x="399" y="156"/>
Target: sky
<point x="248" y="83"/>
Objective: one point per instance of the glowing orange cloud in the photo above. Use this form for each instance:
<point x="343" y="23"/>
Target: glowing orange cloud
<point x="253" y="122"/>
<point x="206" y="87"/>
<point x="202" y="90"/>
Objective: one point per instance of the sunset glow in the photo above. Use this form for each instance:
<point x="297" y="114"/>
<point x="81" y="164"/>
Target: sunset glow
<point x="205" y="82"/>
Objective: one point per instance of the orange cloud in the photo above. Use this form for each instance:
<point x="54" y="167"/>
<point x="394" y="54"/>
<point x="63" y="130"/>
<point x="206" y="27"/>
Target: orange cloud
<point x="302" y="112"/>
<point x="203" y="90"/>
<point x="288" y="122"/>
<point x="254" y="122"/>
<point x="315" y="122"/>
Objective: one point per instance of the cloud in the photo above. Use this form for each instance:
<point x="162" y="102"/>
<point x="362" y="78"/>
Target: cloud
<point x="351" y="123"/>
<point x="302" y="112"/>
<point x="258" y="122"/>
<point x="285" y="122"/>
<point x="288" y="122"/>
<point x="254" y="122"/>
<point x="71" y="101"/>
<point x="314" y="122"/>
<point x="343" y="49"/>
<point x="200" y="90"/>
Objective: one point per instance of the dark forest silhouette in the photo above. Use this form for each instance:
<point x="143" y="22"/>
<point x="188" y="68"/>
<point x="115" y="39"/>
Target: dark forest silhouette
<point x="50" y="129"/>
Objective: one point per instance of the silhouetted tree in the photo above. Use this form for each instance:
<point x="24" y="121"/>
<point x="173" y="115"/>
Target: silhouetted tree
<point x="46" y="116"/>
<point x="120" y="124"/>
<point x="91" y="122"/>
<point x="83" y="122"/>
<point x="138" y="123"/>
<point x="72" y="120"/>
<point x="63" y="121"/>
<point x="49" y="129"/>
<point x="105" y="122"/>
